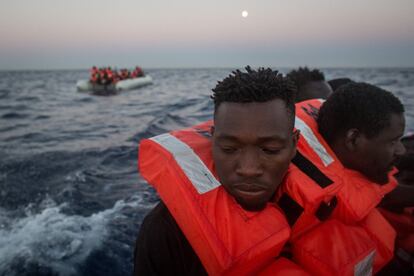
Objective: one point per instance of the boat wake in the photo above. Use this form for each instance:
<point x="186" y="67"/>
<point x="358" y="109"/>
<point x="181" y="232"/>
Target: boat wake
<point x="51" y="242"/>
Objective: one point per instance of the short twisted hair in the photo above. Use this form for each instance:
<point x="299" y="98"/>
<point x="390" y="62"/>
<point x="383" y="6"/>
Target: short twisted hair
<point x="357" y="105"/>
<point x="255" y="86"/>
<point x="303" y="75"/>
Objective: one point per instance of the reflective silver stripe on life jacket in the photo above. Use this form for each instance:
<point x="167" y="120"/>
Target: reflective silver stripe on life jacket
<point x="310" y="137"/>
<point x="195" y="169"/>
<point x="364" y="267"/>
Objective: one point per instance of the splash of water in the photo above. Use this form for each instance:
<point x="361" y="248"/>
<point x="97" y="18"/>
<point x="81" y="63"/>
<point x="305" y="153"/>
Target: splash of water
<point x="53" y="239"/>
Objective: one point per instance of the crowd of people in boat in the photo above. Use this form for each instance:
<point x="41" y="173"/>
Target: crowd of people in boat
<point x="108" y="76"/>
<point x="303" y="187"/>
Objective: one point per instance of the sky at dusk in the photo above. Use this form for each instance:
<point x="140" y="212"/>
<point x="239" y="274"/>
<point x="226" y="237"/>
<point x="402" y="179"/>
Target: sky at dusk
<point x="58" y="34"/>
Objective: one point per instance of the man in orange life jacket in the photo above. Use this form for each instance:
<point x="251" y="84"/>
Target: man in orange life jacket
<point x="363" y="124"/>
<point x="253" y="142"/>
<point x="368" y="137"/>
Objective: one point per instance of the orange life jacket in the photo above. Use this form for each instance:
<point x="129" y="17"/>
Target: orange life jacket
<point x="94" y="78"/>
<point x="283" y="267"/>
<point x="404" y="225"/>
<point x="356" y="195"/>
<point x="318" y="188"/>
<point x="227" y="238"/>
<point x="309" y="193"/>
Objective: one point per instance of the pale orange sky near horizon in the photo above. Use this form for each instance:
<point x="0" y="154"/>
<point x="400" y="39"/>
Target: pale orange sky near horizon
<point x="76" y="34"/>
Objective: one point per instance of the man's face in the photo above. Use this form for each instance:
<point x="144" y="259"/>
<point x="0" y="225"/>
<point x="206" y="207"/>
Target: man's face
<point x="376" y="156"/>
<point x="253" y="144"/>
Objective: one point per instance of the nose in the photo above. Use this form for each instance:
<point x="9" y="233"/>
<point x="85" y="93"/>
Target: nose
<point x="249" y="164"/>
<point x="400" y="149"/>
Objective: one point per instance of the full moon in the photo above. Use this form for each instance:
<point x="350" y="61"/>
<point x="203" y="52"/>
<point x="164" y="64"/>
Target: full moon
<point x="245" y="14"/>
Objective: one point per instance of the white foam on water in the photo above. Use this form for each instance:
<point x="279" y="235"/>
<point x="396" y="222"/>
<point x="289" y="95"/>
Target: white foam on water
<point x="52" y="239"/>
<point x="77" y="176"/>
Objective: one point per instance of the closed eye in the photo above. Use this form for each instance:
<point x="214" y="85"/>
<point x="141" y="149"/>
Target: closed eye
<point x="228" y="149"/>
<point x="271" y="151"/>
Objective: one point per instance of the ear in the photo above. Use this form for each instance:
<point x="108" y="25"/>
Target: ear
<point x="295" y="136"/>
<point x="295" y="139"/>
<point x="352" y="139"/>
<point x="212" y="130"/>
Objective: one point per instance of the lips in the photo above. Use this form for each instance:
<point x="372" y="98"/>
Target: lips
<point x="248" y="187"/>
<point x="249" y="190"/>
<point x="248" y="195"/>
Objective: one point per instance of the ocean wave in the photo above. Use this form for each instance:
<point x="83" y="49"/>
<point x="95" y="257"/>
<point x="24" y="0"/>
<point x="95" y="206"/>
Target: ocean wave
<point x="52" y="239"/>
<point x="14" y="115"/>
<point x="71" y="197"/>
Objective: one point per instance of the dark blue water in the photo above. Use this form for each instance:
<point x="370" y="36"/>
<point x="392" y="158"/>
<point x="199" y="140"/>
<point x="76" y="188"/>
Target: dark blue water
<point x="71" y="199"/>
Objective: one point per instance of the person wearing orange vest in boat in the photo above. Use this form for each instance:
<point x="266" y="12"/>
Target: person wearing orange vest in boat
<point x="134" y="74"/>
<point x="116" y="76"/>
<point x="102" y="76"/>
<point x="102" y="79"/>
<point x="124" y="74"/>
<point x="108" y="72"/>
<point x="217" y="184"/>
<point x="110" y="75"/>
<point x="94" y="75"/>
<point x="137" y="72"/>
<point x="398" y="215"/>
<point x="341" y="172"/>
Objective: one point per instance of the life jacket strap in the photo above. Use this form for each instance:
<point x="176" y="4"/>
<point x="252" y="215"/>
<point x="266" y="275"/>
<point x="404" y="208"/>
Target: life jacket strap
<point x="311" y="170"/>
<point x="290" y="207"/>
<point x="325" y="210"/>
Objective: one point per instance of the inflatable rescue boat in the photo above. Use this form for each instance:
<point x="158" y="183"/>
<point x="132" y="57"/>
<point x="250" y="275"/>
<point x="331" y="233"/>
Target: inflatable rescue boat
<point x="127" y="84"/>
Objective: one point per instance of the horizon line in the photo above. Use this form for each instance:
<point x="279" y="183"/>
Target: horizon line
<point x="215" y="67"/>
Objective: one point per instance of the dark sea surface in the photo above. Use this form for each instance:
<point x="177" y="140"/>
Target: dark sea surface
<point x="71" y="198"/>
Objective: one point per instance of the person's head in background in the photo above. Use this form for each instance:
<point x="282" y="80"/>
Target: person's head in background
<point x="311" y="84"/>
<point x="406" y="163"/>
<point x="363" y="124"/>
<point x="253" y="136"/>
<point x="338" y="82"/>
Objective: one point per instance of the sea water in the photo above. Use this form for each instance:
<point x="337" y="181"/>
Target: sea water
<point x="71" y="198"/>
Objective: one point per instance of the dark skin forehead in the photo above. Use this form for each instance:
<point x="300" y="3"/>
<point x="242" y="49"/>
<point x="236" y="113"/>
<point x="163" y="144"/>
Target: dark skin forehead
<point x="261" y="121"/>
